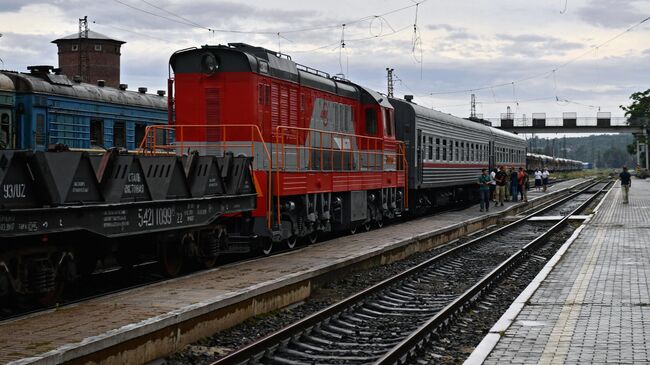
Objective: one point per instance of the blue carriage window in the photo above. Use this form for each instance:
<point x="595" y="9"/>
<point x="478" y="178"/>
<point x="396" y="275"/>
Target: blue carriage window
<point x="97" y="132"/>
<point x="40" y="130"/>
<point x="119" y="134"/>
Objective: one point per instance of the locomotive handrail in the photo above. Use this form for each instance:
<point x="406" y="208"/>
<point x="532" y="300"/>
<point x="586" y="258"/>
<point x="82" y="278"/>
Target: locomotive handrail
<point x="149" y="145"/>
<point x="380" y="148"/>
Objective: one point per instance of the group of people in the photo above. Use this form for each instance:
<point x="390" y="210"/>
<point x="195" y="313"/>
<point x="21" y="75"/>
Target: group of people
<point x="501" y="185"/>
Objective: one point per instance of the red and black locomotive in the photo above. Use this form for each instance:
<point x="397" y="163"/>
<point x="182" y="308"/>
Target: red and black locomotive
<point x="325" y="153"/>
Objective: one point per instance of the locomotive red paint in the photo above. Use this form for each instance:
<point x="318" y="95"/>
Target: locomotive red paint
<point x="315" y="139"/>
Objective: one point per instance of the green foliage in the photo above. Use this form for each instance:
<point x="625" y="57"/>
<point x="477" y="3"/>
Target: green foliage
<point x="605" y="151"/>
<point x="638" y="112"/>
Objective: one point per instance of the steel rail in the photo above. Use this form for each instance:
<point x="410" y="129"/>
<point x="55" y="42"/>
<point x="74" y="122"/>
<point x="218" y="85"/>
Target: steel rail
<point x="401" y="353"/>
<point x="255" y="351"/>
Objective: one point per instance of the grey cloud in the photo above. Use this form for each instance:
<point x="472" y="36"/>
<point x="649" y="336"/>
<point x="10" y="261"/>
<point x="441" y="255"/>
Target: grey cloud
<point x="610" y="13"/>
<point x="535" y="45"/>
<point x="453" y="32"/>
<point x="19" y="51"/>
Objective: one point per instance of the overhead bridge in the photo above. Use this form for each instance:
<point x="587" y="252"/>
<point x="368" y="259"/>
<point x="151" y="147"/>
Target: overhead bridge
<point x="568" y="123"/>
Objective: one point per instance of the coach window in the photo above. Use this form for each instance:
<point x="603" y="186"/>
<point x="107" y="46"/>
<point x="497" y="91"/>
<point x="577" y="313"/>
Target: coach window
<point x="430" y="148"/>
<point x="371" y="122"/>
<point x="437" y="149"/>
<point x="451" y="150"/>
<point x="98" y="48"/>
<point x="119" y="134"/>
<point x="444" y="150"/>
<point x="97" y="132"/>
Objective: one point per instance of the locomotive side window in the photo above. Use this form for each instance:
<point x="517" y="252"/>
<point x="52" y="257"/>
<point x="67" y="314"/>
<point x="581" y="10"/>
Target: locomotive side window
<point x="388" y="122"/>
<point x="371" y="122"/>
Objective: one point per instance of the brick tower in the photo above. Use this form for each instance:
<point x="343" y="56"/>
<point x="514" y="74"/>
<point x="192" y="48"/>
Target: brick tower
<point x="90" y="55"/>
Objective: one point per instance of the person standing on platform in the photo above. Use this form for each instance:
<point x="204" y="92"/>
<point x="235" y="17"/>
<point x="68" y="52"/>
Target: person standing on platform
<point x="538" y="179"/>
<point x="507" y="188"/>
<point x="522" y="178"/>
<point x="493" y="185"/>
<point x="514" y="184"/>
<point x="545" y="176"/>
<point x="500" y="178"/>
<point x="626" y="182"/>
<point x="484" y="183"/>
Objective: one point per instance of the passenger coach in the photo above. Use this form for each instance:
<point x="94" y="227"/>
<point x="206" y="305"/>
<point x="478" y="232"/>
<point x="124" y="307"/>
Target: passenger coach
<point x="446" y="153"/>
<point x="42" y="108"/>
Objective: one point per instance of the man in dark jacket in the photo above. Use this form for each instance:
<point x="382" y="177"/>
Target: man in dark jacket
<point x="500" y="178"/>
<point x="514" y="184"/>
<point x="626" y="182"/>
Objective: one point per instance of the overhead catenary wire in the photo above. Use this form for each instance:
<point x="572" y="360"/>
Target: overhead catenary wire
<point x="191" y="23"/>
<point x="545" y="73"/>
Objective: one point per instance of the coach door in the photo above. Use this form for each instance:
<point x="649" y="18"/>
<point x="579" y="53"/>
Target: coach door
<point x="418" y="156"/>
<point x="6" y="130"/>
<point x="492" y="162"/>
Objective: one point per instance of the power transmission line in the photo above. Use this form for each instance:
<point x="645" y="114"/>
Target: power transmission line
<point x="546" y="73"/>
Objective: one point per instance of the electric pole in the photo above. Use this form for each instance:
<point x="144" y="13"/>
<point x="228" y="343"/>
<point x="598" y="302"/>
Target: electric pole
<point x="472" y="111"/>
<point x="83" y="48"/>
<point x="390" y="81"/>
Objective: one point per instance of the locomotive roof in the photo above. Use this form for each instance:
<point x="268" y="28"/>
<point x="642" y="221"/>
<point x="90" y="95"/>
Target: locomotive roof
<point x="6" y="84"/>
<point x="60" y="85"/>
<point x="242" y="57"/>
<point x="452" y="119"/>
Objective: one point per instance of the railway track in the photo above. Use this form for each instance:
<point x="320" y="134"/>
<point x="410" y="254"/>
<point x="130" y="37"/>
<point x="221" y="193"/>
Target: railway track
<point x="103" y="283"/>
<point x="388" y="322"/>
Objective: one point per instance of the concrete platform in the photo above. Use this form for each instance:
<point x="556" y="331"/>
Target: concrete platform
<point x="144" y="324"/>
<point x="591" y="303"/>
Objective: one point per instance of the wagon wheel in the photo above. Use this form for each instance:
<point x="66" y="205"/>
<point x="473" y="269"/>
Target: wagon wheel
<point x="51" y="297"/>
<point x="208" y="260"/>
<point x="353" y="228"/>
<point x="367" y="225"/>
<point x="172" y="257"/>
<point x="380" y="223"/>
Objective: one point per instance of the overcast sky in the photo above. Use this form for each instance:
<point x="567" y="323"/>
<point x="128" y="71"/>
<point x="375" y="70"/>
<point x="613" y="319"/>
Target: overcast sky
<point x="459" y="45"/>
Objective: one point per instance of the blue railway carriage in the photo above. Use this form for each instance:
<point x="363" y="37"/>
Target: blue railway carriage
<point x="446" y="153"/>
<point x="51" y="109"/>
<point x="7" y="102"/>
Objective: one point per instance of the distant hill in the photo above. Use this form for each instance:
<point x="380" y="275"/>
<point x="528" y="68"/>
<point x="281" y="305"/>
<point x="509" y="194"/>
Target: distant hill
<point x="603" y="150"/>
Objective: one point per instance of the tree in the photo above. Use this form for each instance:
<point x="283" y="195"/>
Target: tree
<point x="638" y="112"/>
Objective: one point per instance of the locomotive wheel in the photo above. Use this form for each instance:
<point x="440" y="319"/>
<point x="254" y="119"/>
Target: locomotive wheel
<point x="267" y="246"/>
<point x="291" y="242"/>
<point x="171" y="259"/>
<point x="312" y="237"/>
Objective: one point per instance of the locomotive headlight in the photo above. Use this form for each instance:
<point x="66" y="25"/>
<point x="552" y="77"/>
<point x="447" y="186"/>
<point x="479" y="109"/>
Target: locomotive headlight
<point x="209" y="63"/>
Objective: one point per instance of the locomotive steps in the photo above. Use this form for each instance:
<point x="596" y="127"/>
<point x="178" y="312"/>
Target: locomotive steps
<point x="147" y="323"/>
